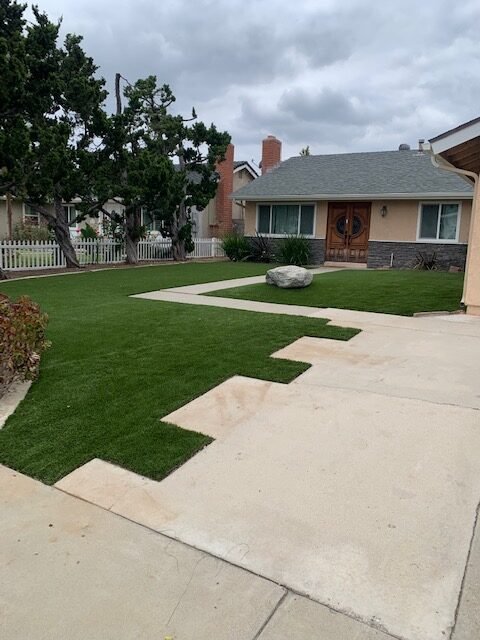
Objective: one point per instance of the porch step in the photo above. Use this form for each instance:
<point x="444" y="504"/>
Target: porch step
<point x="347" y="265"/>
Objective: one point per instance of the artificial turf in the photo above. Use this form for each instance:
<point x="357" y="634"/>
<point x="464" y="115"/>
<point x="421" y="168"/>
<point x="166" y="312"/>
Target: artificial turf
<point x="393" y="291"/>
<point x="117" y="365"/>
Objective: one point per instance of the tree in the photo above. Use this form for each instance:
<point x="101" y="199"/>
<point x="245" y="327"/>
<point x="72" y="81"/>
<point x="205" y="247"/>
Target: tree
<point x="58" y="117"/>
<point x="305" y="151"/>
<point x="13" y="73"/>
<point x="158" y="162"/>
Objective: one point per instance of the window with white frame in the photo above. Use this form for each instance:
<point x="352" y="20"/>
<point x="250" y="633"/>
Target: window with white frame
<point x="150" y="221"/>
<point x="286" y="219"/>
<point x="71" y="214"/>
<point x="30" y="216"/>
<point x="439" y="221"/>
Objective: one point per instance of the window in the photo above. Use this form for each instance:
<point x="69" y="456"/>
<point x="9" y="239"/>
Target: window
<point x="31" y="216"/>
<point x="150" y="221"/>
<point x="439" y="221"/>
<point x="71" y="213"/>
<point x="286" y="219"/>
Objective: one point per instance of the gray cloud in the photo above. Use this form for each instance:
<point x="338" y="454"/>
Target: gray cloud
<point x="338" y="76"/>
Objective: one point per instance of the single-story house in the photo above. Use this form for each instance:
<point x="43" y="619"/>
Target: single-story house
<point x="377" y="208"/>
<point x="457" y="152"/>
<point x="15" y="212"/>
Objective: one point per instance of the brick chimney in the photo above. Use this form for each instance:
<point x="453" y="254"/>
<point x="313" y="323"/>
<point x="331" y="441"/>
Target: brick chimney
<point x="223" y="204"/>
<point x="271" y="153"/>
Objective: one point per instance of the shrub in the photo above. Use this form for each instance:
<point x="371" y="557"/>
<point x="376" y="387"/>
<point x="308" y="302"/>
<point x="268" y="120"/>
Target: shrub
<point x="24" y="231"/>
<point x="426" y="261"/>
<point x="294" y="250"/>
<point x="88" y="232"/>
<point x="236" y="247"/>
<point x="261" y="249"/>
<point x="22" y="339"/>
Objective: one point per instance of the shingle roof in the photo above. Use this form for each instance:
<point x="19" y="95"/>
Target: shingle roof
<point x="352" y="174"/>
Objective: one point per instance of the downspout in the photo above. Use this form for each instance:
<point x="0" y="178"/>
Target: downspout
<point x="461" y="172"/>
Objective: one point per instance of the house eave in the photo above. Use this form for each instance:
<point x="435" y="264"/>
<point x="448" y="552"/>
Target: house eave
<point x="355" y="196"/>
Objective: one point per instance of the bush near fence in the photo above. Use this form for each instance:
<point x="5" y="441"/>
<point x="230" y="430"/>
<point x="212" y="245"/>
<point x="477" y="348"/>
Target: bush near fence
<point x="31" y="255"/>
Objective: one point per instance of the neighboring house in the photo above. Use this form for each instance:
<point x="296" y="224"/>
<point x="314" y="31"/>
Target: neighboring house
<point x="23" y="213"/>
<point x="379" y="208"/>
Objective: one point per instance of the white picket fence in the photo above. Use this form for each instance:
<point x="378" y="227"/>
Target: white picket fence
<point x="32" y="255"/>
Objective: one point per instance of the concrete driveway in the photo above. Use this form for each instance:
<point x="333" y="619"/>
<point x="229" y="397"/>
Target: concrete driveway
<point x="341" y="506"/>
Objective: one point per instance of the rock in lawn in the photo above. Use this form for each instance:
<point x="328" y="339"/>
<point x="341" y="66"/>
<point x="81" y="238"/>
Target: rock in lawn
<point x="290" y="277"/>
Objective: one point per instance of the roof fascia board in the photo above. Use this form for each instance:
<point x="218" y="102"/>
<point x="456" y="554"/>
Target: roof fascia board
<point x="358" y="196"/>
<point x="455" y="138"/>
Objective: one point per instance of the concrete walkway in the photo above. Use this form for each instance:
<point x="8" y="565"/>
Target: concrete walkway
<point x="342" y="506"/>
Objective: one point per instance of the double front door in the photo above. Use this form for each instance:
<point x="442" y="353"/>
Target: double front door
<point x="347" y="231"/>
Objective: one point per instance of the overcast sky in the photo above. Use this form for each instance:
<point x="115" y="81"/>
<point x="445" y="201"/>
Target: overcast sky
<point x="355" y="75"/>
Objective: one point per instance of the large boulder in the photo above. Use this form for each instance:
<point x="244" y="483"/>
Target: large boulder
<point x="289" y="277"/>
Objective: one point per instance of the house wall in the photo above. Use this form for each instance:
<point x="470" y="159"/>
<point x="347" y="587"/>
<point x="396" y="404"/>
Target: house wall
<point x="240" y="179"/>
<point x="396" y="233"/>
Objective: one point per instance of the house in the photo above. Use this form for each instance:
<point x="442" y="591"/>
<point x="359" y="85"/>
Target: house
<point x="457" y="153"/>
<point x="376" y="208"/>
<point x="15" y="212"/>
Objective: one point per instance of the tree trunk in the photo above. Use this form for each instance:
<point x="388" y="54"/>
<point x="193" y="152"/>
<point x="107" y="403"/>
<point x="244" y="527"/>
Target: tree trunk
<point x="118" y="96"/>
<point x="131" y="246"/>
<point x="132" y="222"/>
<point x="178" y="242"/>
<point x="62" y="236"/>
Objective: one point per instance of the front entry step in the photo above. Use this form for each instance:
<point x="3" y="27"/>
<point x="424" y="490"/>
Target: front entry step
<point x="348" y="265"/>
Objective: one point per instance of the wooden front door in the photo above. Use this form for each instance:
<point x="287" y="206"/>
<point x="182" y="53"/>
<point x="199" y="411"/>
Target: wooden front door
<point x="347" y="231"/>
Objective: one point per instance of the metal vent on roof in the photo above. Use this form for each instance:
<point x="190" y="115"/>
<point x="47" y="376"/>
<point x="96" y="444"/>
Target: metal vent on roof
<point x="404" y="147"/>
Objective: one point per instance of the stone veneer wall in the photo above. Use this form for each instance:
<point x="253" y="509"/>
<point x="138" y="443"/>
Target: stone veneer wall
<point x="404" y="254"/>
<point x="317" y="248"/>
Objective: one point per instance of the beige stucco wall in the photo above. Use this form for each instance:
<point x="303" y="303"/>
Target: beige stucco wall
<point x="240" y="179"/>
<point x="400" y="223"/>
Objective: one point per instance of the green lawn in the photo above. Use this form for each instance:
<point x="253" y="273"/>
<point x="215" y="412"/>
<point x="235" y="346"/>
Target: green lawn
<point x="399" y="292"/>
<point x="118" y="364"/>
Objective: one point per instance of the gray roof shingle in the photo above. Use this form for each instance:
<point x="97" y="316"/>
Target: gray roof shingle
<point x="362" y="174"/>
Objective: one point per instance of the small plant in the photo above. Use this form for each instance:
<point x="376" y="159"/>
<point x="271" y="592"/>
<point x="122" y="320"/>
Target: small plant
<point x="236" y="247"/>
<point x="294" y="250"/>
<point x="426" y="261"/>
<point x="88" y="232"/>
<point x="261" y="249"/>
<point x="22" y="339"/>
<point x="24" y="231"/>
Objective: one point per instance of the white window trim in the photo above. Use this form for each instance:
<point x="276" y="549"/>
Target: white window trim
<point x="285" y="235"/>
<point x="26" y="217"/>
<point x="439" y="240"/>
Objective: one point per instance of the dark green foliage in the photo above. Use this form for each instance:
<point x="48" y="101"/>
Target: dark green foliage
<point x="88" y="233"/>
<point x="236" y="247"/>
<point x="399" y="292"/>
<point x="261" y="249"/>
<point x="294" y="250"/>
<point x="51" y="117"/>
<point x="161" y="162"/>
<point x="108" y="379"/>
